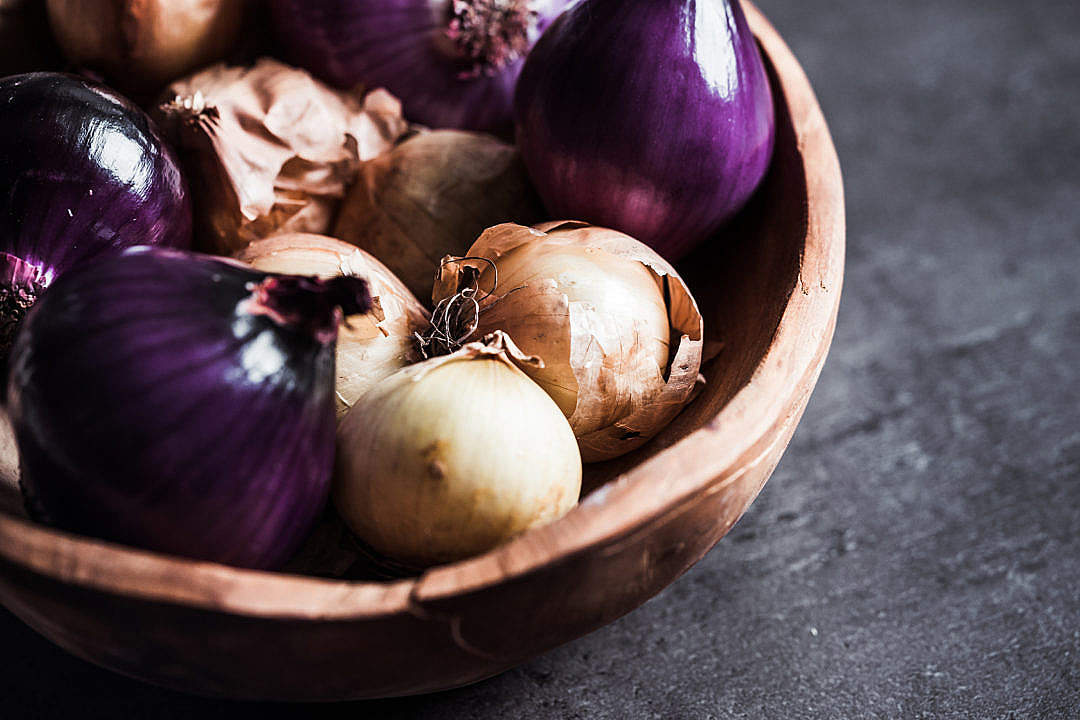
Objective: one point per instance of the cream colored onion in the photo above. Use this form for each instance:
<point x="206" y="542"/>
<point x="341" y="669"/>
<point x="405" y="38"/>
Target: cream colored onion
<point x="453" y="456"/>
<point x="369" y="347"/>
<point x="431" y="196"/>
<point x="269" y="149"/>
<point x="616" y="327"/>
<point x="142" y="44"/>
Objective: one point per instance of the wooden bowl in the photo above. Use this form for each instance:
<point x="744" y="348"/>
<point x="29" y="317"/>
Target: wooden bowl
<point x="769" y="292"/>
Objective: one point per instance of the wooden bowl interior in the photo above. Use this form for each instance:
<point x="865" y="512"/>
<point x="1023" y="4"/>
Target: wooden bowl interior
<point x="768" y="288"/>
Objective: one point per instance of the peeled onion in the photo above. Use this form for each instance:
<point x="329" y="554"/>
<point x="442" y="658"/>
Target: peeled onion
<point x="619" y="334"/>
<point x="453" y="456"/>
<point x="142" y="44"/>
<point x="371" y="346"/>
<point x="431" y="196"/>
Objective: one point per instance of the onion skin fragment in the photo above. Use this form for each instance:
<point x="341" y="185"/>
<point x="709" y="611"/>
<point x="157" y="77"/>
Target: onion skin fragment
<point x="270" y="149"/>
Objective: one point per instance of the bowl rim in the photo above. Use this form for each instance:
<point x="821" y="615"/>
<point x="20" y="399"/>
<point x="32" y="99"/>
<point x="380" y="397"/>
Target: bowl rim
<point x="706" y="460"/>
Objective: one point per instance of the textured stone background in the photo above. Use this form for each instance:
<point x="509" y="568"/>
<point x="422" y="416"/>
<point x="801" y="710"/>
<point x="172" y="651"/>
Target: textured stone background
<point x="917" y="553"/>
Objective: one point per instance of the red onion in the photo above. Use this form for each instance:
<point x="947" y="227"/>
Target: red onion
<point x="453" y="63"/>
<point x="181" y="403"/>
<point x="83" y="171"/>
<point x="653" y="118"/>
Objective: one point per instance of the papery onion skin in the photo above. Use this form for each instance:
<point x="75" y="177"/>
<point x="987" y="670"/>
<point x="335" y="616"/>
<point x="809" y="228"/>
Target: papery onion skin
<point x="453" y="456"/>
<point x="270" y="149"/>
<point x="408" y="47"/>
<point x="590" y="303"/>
<point x="180" y="403"/>
<point x="431" y="196"/>
<point x="665" y="153"/>
<point x="370" y="347"/>
<point x="83" y="172"/>
<point x="142" y="44"/>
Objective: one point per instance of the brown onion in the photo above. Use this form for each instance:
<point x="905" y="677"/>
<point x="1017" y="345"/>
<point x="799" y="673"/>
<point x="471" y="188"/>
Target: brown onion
<point x="616" y="327"/>
<point x="369" y="347"/>
<point x="431" y="196"/>
<point x="270" y="149"/>
<point x="142" y="44"/>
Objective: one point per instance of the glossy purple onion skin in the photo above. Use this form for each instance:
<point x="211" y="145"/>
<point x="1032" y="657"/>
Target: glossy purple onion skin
<point x="151" y="409"/>
<point x="83" y="171"/>
<point x="653" y="118"/>
<point x="395" y="44"/>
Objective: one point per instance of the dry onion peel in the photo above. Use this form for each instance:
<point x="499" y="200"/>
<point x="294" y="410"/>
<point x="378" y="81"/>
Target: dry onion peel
<point x="270" y="149"/>
<point x="455" y="455"/>
<point x="370" y="347"/>
<point x="602" y="365"/>
<point x="431" y="196"/>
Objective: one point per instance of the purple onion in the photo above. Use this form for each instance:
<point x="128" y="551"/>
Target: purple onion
<point x="83" y="171"/>
<point x="654" y="118"/>
<point x="453" y="63"/>
<point x="180" y="403"/>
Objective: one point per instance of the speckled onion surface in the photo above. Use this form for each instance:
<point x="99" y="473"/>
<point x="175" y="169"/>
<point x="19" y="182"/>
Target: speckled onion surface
<point x="453" y="456"/>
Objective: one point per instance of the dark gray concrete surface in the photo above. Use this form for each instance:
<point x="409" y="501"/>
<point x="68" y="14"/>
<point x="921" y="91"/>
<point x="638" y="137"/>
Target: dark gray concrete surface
<point x="917" y="553"/>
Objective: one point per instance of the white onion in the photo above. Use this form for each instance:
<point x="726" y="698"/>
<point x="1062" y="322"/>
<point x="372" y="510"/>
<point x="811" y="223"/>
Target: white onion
<point x="453" y="456"/>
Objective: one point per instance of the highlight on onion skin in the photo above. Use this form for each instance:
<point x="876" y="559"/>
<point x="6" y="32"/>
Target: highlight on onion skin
<point x="454" y="456"/>
<point x="83" y="172"/>
<point x="180" y="403"/>
<point x="619" y="333"/>
<point x="270" y="149"/>
<point x="432" y="195"/>
<point x="370" y="347"/>
<point x="453" y="63"/>
<point x="665" y="153"/>
<point x="142" y="44"/>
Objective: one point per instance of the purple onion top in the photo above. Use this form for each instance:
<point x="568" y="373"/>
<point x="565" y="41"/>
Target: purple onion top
<point x="453" y="63"/>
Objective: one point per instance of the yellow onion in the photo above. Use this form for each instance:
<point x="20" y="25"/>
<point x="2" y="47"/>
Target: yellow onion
<point x="270" y="149"/>
<point x="453" y="456"/>
<point x="142" y="44"/>
<point x="616" y="327"/>
<point x="431" y="196"/>
<point x="369" y="347"/>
